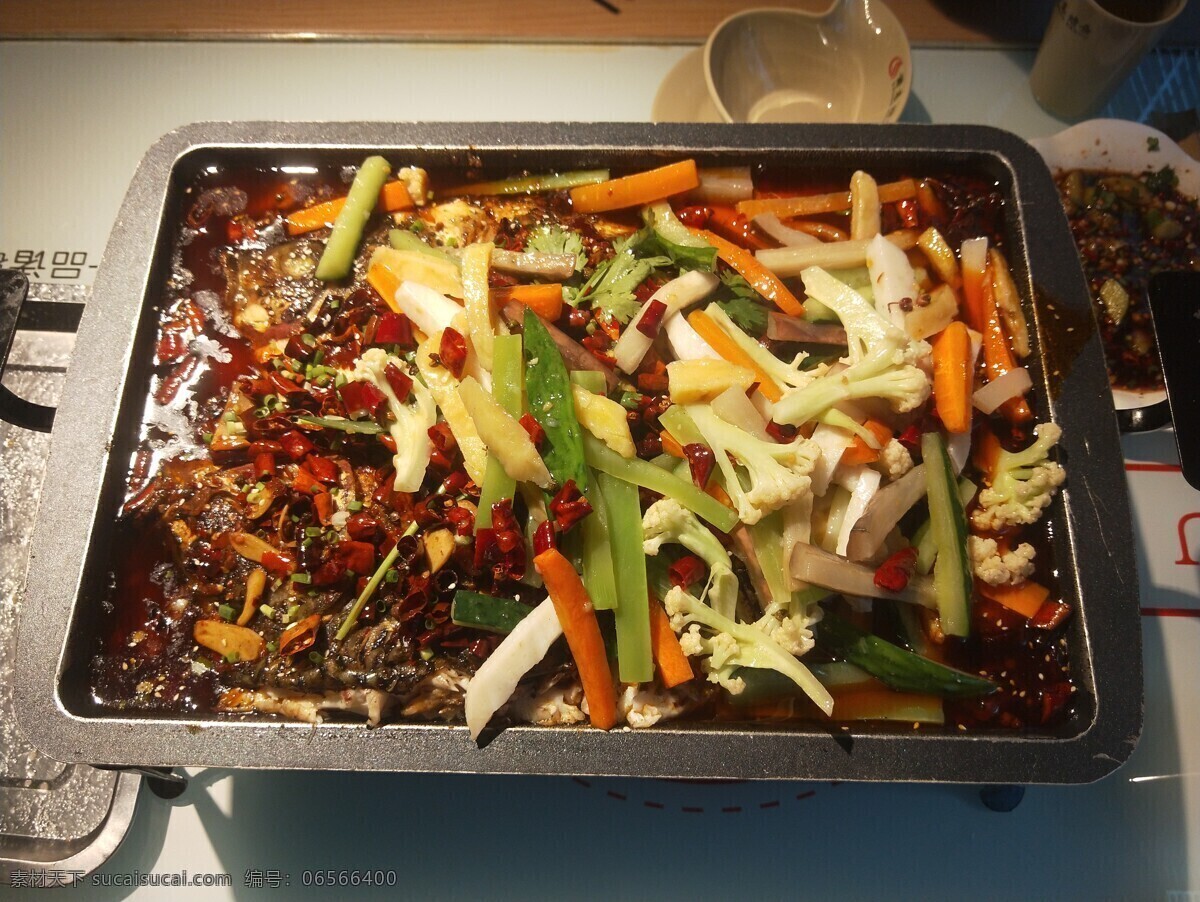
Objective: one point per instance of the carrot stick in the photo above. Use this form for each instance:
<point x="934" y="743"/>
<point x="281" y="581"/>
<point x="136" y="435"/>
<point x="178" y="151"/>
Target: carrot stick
<point x="716" y="338"/>
<point x="815" y="204"/>
<point x="952" y="376"/>
<point x="385" y="283"/>
<point x="634" y="190"/>
<point x="578" y="621"/>
<point x="715" y="490"/>
<point x="393" y="197"/>
<point x="997" y="353"/>
<point x="673" y="665"/>
<point x="973" y="279"/>
<point x="859" y="451"/>
<point x="670" y="445"/>
<point x="1025" y="598"/>
<point x="986" y="452"/>
<point x="544" y="300"/>
<point x="760" y="278"/>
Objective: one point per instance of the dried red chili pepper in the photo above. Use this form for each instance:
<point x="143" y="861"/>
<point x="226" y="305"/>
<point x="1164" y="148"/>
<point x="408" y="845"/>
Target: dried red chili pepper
<point x="536" y="433"/>
<point x="544" y="537"/>
<point x="323" y="502"/>
<point x="1051" y="615"/>
<point x="279" y="564"/>
<point x="361" y="398"/>
<point x="264" y="465"/>
<point x="686" y="571"/>
<point x="894" y="573"/>
<point x="454" y="483"/>
<point x="569" y="506"/>
<point x="701" y="461"/>
<point x="283" y="385"/>
<point x="695" y="217"/>
<point x="781" y="432"/>
<point x="650" y="321"/>
<point x="265" y="447"/>
<point x="653" y="382"/>
<point x="362" y="527"/>
<point x="296" y="445"/>
<point x="300" y="635"/>
<point x="462" y="520"/>
<point x="329" y="573"/>
<point x="441" y="436"/>
<point x="398" y="380"/>
<point x="910" y="213"/>
<point x="453" y="352"/>
<point x="394" y="329"/>
<point x="298" y="349"/>
<point x="321" y="467"/>
<point x="357" y="556"/>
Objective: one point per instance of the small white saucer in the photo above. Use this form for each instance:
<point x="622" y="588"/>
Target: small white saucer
<point x="683" y="94"/>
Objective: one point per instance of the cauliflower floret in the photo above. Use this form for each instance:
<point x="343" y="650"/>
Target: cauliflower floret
<point x="458" y="223"/>
<point x="997" y="569"/>
<point x="412" y="417"/>
<point x="1023" y="484"/>
<point x="792" y="633"/>
<point x="416" y="180"/>
<point x="646" y="704"/>
<point x="727" y="645"/>
<point x="883" y="361"/>
<point x="777" y="473"/>
<point x="669" y="521"/>
<point x="894" y="460"/>
<point x="556" y="705"/>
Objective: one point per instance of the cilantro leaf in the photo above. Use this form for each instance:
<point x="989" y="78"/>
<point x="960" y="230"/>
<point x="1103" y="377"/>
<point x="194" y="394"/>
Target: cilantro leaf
<point x="741" y="303"/>
<point x="1161" y="181"/>
<point x="552" y="239"/>
<point x="610" y="287"/>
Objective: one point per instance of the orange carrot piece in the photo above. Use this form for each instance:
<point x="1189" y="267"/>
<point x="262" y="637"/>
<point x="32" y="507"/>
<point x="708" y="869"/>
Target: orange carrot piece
<point x="815" y="204"/>
<point x="671" y="445"/>
<point x="1025" y="598"/>
<point x="734" y="226"/>
<point x="859" y="451"/>
<point x="952" y="377"/>
<point x="578" y="620"/>
<point x="545" y="300"/>
<point x="673" y="665"/>
<point x="716" y="338"/>
<point x="393" y="197"/>
<point x="715" y="490"/>
<point x="998" y="356"/>
<point x="760" y="278"/>
<point x="986" y="452"/>
<point x="385" y="283"/>
<point x="973" y="301"/>
<point x="634" y="190"/>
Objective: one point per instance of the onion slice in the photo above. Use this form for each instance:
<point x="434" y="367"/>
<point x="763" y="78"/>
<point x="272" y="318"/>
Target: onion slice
<point x="724" y="185"/>
<point x="1012" y="384"/>
<point x="734" y="407"/>
<point x="823" y="568"/>
<point x="785" y="235"/>
<point x="885" y="510"/>
<point x="498" y="676"/>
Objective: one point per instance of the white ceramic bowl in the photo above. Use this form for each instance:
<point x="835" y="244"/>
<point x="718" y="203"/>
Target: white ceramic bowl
<point x="848" y="64"/>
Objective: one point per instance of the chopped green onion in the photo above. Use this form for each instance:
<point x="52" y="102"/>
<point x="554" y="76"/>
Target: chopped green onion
<point x="316" y="657"/>
<point x="302" y="578"/>
<point x="233" y="657"/>
<point x="226" y="612"/>
<point x="355" y="505"/>
<point x="532" y="183"/>
<point x="392" y="576"/>
<point x="356" y="427"/>
<point x="371" y="586"/>
<point x="266" y="610"/>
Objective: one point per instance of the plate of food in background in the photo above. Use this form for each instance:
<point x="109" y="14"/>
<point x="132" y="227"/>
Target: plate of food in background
<point x="1130" y="194"/>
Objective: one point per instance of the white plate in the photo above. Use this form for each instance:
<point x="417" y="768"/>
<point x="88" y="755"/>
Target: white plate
<point x="683" y="95"/>
<point x="1120" y="146"/>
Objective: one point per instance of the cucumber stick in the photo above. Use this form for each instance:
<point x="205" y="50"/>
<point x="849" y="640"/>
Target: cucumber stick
<point x="487" y="612"/>
<point x="552" y="404"/>
<point x="948" y="526"/>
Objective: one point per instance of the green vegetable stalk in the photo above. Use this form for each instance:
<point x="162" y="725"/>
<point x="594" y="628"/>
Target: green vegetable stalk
<point x="507" y="383"/>
<point x="551" y="403"/>
<point x="635" y="663"/>
<point x="891" y="664"/>
<point x="338" y="257"/>
<point x="487" y="612"/>
<point x="948" y="525"/>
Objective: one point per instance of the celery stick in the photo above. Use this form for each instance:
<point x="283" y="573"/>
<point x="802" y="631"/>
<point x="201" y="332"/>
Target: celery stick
<point x="338" y="257"/>
<point x="404" y="240"/>
<point x="767" y="537"/>
<point x="598" y="569"/>
<point x="634" y="661"/>
<point x="532" y="183"/>
<point x="507" y="378"/>
<point x="645" y="474"/>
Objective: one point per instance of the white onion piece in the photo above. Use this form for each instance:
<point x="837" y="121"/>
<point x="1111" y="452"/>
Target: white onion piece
<point x="822" y="568"/>
<point x="677" y="294"/>
<point x="1012" y="384"/>
<point x="734" y="407"/>
<point x="497" y="678"/>
<point x="685" y="342"/>
<point x="863" y="483"/>
<point x="785" y="235"/>
<point x="892" y="279"/>
<point x="973" y="254"/>
<point x="430" y="311"/>
<point x="764" y="405"/>
<point x="534" y="263"/>
<point x="833" y="443"/>
<point x="883" y="513"/>
<point x="724" y="185"/>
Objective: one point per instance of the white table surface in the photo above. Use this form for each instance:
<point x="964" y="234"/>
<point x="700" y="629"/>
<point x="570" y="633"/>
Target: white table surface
<point x="75" y="119"/>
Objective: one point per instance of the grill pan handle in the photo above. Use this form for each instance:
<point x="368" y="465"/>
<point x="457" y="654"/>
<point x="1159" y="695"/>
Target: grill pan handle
<point x="1175" y="310"/>
<point x="14" y="286"/>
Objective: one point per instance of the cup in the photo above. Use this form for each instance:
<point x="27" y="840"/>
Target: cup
<point x="850" y="63"/>
<point x="1090" y="47"/>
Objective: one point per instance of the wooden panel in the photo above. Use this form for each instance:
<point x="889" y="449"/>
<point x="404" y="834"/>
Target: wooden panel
<point x="640" y="21"/>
